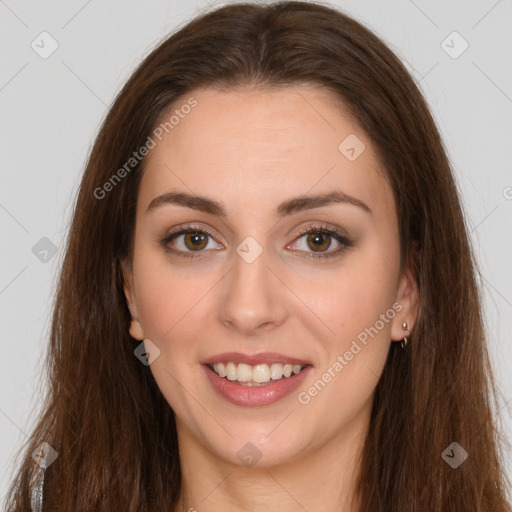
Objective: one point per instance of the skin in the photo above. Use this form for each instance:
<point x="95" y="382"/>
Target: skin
<point x="251" y="150"/>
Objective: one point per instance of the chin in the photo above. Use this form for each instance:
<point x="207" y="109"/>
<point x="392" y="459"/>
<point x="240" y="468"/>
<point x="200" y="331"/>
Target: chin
<point x="262" y="447"/>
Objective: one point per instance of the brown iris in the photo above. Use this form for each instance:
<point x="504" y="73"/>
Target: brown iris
<point x="197" y="240"/>
<point x="316" y="239"/>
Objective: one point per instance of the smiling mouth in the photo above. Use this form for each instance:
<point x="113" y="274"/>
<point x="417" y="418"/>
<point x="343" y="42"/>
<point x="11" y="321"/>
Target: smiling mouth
<point x="257" y="375"/>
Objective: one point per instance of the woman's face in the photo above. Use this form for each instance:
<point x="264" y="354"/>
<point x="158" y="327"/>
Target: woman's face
<point x="232" y="264"/>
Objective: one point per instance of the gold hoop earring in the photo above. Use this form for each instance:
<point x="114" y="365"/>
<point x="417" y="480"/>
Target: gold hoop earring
<point x="404" y="341"/>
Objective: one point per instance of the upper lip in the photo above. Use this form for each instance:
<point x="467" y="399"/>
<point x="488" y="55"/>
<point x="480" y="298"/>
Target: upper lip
<point x="254" y="359"/>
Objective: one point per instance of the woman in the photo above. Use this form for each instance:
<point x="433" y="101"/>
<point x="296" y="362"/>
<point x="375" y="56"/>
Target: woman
<point x="268" y="299"/>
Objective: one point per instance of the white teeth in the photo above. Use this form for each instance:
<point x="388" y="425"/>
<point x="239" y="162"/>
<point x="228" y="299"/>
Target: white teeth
<point x="258" y="374"/>
<point x="231" y="372"/>
<point x="261" y="373"/>
<point x="276" y="371"/>
<point x="220" y="369"/>
<point x="244" y="373"/>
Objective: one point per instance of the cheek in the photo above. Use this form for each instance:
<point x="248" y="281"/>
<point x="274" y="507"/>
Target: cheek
<point x="166" y="295"/>
<point x="167" y="304"/>
<point x="353" y="297"/>
<point x="359" y="312"/>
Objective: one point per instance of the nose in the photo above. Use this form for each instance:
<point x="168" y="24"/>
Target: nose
<point x="254" y="298"/>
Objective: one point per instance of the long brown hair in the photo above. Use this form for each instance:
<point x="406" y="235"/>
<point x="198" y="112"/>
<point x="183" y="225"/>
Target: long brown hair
<point x="104" y="414"/>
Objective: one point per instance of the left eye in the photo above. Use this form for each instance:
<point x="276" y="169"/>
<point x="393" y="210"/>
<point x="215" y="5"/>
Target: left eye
<point x="319" y="240"/>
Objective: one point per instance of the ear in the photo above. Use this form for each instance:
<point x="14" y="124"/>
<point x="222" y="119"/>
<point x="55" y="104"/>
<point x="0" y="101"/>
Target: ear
<point x="136" y="330"/>
<point x="408" y="298"/>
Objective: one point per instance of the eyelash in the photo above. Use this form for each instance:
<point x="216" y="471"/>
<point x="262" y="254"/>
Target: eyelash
<point x="323" y="229"/>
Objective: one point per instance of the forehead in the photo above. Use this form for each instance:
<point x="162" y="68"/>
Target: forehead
<point x="251" y="148"/>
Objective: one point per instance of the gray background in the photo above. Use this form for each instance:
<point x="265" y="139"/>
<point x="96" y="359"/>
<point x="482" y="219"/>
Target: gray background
<point x="51" y="111"/>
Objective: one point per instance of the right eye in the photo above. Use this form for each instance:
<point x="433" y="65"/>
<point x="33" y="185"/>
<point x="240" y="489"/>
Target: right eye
<point x="189" y="240"/>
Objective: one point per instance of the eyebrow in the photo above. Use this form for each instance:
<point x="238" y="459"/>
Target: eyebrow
<point x="288" y="207"/>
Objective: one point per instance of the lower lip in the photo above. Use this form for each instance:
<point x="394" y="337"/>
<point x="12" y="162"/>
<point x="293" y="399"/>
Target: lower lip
<point x="254" y="396"/>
